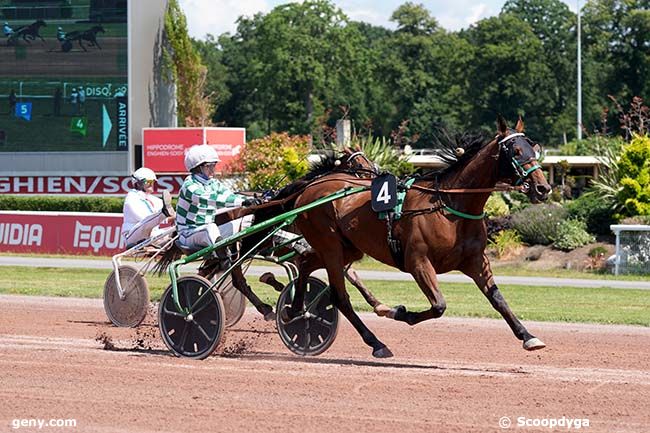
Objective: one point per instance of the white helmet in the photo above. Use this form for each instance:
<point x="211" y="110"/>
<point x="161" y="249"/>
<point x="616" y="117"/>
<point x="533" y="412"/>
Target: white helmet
<point x="200" y="154"/>
<point x="143" y="174"/>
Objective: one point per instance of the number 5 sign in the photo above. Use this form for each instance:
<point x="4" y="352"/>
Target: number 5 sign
<point x="383" y="193"/>
<point x="24" y="110"/>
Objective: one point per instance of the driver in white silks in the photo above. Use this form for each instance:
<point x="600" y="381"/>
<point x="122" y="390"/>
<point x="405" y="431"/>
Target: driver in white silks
<point x="202" y="196"/>
<point x="143" y="211"/>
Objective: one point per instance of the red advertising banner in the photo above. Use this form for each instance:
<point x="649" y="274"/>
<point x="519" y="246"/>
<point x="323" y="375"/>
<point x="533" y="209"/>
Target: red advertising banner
<point x="96" y="234"/>
<point x="163" y="149"/>
<point x="80" y="185"/>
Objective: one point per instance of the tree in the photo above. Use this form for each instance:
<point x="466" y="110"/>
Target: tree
<point x="555" y="27"/>
<point x="423" y="68"/>
<point x="617" y="45"/>
<point x="508" y="75"/>
<point x="215" y="84"/>
<point x="296" y="63"/>
<point x="186" y="69"/>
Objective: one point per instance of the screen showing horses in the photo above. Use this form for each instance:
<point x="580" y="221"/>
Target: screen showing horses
<point x="63" y="76"/>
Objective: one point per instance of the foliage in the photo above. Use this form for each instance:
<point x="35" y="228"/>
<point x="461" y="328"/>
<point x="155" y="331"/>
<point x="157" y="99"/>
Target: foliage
<point x="215" y="85"/>
<point x="597" y="214"/>
<point x="274" y="160"/>
<point x="383" y="153"/>
<point x="538" y="225"/>
<point x="61" y="204"/>
<point x="496" y="206"/>
<point x="595" y="144"/>
<point x="496" y="225"/>
<point x="571" y="234"/>
<point x="302" y="66"/>
<point x="634" y="172"/>
<point x="189" y="74"/>
<point x="506" y="243"/>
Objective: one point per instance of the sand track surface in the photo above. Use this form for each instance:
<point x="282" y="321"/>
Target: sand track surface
<point x="61" y="359"/>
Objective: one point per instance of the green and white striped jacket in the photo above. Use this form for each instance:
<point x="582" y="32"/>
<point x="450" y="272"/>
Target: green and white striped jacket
<point x="199" y="200"/>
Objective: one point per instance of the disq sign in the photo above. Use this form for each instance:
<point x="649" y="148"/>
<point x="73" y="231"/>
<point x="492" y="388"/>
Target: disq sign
<point x="164" y="148"/>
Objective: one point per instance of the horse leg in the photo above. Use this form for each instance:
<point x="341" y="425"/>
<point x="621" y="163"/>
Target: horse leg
<point x="354" y="279"/>
<point x="484" y="279"/>
<point x="239" y="281"/>
<point x="425" y="276"/>
<point x="82" y="45"/>
<point x="334" y="265"/>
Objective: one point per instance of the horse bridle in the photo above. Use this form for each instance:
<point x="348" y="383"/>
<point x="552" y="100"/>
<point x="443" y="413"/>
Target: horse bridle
<point x="507" y="145"/>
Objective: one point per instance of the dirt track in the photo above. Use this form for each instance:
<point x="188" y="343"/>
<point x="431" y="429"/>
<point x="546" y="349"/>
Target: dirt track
<point x="454" y="375"/>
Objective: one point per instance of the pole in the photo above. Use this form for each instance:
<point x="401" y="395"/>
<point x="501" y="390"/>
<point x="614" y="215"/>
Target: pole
<point x="579" y="120"/>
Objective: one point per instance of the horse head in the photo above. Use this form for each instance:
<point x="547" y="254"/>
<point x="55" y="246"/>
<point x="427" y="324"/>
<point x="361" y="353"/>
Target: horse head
<point x="518" y="160"/>
<point x="98" y="29"/>
<point x="39" y="23"/>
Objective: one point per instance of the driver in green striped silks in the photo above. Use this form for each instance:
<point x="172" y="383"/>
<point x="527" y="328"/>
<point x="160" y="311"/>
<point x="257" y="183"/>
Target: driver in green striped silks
<point x="201" y="198"/>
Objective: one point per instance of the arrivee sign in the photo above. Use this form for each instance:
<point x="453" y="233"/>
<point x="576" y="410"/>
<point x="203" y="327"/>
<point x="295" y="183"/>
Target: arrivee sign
<point x="61" y="233"/>
<point x="163" y="149"/>
<point x="80" y="185"/>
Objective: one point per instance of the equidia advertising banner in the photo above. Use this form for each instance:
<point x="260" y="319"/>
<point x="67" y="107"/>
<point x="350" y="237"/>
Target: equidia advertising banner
<point x="96" y="234"/>
<point x="164" y="148"/>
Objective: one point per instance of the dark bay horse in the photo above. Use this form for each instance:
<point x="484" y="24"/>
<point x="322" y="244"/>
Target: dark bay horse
<point x="29" y="32"/>
<point x="441" y="228"/>
<point x="89" y="36"/>
<point x="352" y="162"/>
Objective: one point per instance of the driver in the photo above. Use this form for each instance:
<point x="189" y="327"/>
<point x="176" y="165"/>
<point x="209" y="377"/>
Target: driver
<point x="143" y="211"/>
<point x="199" y="199"/>
<point x="7" y="30"/>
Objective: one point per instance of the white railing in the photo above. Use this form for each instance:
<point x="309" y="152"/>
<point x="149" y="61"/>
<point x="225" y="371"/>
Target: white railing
<point x="632" y="248"/>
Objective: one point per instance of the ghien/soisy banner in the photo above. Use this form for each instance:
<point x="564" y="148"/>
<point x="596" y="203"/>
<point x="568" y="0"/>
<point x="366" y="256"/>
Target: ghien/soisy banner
<point x="80" y="185"/>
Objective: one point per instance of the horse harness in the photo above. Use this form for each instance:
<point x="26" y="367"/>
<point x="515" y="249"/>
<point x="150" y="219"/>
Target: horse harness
<point x="394" y="212"/>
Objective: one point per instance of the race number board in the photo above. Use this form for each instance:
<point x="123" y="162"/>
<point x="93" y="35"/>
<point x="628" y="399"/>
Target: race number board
<point x="383" y="192"/>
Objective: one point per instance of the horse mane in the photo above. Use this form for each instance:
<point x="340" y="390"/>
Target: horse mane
<point x="455" y="148"/>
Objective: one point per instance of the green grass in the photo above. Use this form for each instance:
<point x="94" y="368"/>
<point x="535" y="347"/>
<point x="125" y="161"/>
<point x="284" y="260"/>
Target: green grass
<point x="556" y="304"/>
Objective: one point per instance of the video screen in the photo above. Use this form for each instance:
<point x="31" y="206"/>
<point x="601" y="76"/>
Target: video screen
<point x="63" y="76"/>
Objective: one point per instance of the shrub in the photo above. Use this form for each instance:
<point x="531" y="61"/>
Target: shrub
<point x="595" y="212"/>
<point x="496" y="225"/>
<point x="274" y="159"/>
<point x="61" y="204"/>
<point x="538" y="225"/>
<point x="384" y="153"/>
<point x="506" y="243"/>
<point x="496" y="206"/>
<point x="572" y="234"/>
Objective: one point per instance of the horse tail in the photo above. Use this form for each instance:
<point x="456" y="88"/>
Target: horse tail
<point x="172" y="254"/>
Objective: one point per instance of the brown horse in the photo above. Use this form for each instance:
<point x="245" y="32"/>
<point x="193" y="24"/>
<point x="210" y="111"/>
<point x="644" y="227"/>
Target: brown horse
<point x="441" y="228"/>
<point x="352" y="162"/>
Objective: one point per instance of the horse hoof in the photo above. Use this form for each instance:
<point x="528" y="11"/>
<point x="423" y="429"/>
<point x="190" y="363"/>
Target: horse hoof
<point x="384" y="352"/>
<point x="398" y="313"/>
<point x="270" y="316"/>
<point x="534" y="344"/>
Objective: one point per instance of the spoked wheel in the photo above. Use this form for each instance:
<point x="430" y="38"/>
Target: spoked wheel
<point x="234" y="301"/>
<point x="130" y="311"/>
<point x="197" y="331"/>
<point x="313" y="331"/>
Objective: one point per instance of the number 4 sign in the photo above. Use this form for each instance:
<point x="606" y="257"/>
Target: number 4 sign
<point x="383" y="192"/>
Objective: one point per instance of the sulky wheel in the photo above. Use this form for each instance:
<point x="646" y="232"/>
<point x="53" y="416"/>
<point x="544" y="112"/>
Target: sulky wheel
<point x="130" y="311"/>
<point x="66" y="46"/>
<point x="314" y="330"/>
<point x="197" y="331"/>
<point x="234" y="302"/>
